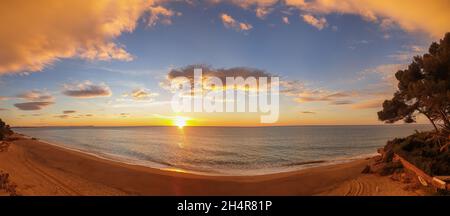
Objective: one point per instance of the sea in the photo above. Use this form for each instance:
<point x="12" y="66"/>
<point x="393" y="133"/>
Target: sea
<point x="232" y="151"/>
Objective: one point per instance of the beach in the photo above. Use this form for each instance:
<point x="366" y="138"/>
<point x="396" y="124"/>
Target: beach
<point x="38" y="168"/>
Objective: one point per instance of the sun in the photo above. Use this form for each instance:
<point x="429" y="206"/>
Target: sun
<point x="180" y="121"/>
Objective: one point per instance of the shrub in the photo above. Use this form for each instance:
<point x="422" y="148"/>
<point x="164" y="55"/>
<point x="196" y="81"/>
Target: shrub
<point x="5" y="130"/>
<point x="424" y="151"/>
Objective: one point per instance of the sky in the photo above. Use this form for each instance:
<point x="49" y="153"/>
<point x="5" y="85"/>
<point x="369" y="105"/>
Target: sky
<point x="106" y="62"/>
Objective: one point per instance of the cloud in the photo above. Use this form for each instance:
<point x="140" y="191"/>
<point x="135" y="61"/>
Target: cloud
<point x="249" y="76"/>
<point x="308" y="112"/>
<point x="32" y="105"/>
<point x="248" y="3"/>
<point x="366" y="98"/>
<point x="87" y="89"/>
<point x="357" y="43"/>
<point x="317" y="96"/>
<point x="301" y="93"/>
<point x="131" y="103"/>
<point x="207" y="71"/>
<point x="262" y="12"/>
<point x="369" y="97"/>
<point x="221" y="73"/>
<point x="369" y="104"/>
<point x="142" y="94"/>
<point x="341" y="102"/>
<point x="62" y="116"/>
<point x="261" y="7"/>
<point x="124" y="115"/>
<point x="387" y="24"/>
<point x="408" y="53"/>
<point x="386" y="72"/>
<point x="36" y="95"/>
<point x="44" y="31"/>
<point x="89" y="30"/>
<point x="431" y="17"/>
<point x="230" y="22"/>
<point x="318" y="23"/>
<point x="291" y="87"/>
<point x="69" y="111"/>
<point x="320" y="95"/>
<point x="38" y="100"/>
<point x="245" y="26"/>
<point x="160" y="14"/>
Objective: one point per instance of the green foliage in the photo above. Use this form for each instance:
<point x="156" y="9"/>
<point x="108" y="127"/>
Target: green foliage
<point x="423" y="150"/>
<point x="5" y="130"/>
<point x="423" y="88"/>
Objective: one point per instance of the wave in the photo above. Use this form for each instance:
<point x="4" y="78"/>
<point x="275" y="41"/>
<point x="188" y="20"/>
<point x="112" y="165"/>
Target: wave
<point x="305" y="163"/>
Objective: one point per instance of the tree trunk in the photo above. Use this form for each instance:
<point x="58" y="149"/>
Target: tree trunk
<point x="432" y="122"/>
<point x="445" y="119"/>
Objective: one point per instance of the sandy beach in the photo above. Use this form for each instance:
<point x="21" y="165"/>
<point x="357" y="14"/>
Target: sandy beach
<point x="37" y="168"/>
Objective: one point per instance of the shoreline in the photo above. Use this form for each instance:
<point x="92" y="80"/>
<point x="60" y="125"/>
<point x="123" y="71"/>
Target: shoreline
<point x="166" y="167"/>
<point x="274" y="170"/>
<point x="38" y="168"/>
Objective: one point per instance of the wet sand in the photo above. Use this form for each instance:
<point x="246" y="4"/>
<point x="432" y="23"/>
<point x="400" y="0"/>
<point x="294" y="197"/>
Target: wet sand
<point x="37" y="168"/>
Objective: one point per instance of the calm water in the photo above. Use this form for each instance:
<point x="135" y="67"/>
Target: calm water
<point x="226" y="150"/>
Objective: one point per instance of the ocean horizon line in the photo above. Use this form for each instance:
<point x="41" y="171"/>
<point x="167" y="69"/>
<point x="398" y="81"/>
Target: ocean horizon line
<point x="213" y="126"/>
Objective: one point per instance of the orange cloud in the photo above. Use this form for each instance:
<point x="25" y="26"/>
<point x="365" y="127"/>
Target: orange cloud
<point x="36" y="95"/>
<point x="412" y="15"/>
<point x="308" y="112"/>
<point x="249" y="3"/>
<point x="431" y="17"/>
<point x="261" y="7"/>
<point x="230" y="22"/>
<point x="62" y="116"/>
<point x="387" y="74"/>
<point x="321" y="95"/>
<point x="34" y="34"/>
<point x="318" y="23"/>
<point x="143" y="94"/>
<point x="369" y="104"/>
<point x="162" y="14"/>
